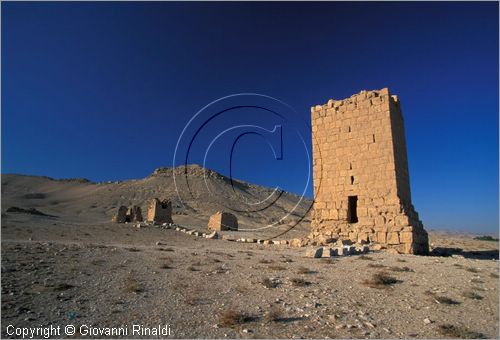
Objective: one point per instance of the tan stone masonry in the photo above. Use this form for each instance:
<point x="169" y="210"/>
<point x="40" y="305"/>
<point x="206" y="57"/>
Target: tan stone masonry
<point x="361" y="180"/>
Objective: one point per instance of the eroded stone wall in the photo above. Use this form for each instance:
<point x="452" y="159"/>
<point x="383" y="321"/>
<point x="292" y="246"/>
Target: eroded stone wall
<point x="361" y="180"/>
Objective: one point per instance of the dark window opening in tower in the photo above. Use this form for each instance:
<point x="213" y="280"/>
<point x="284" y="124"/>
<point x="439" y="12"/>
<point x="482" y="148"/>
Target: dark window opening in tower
<point x="352" y="209"/>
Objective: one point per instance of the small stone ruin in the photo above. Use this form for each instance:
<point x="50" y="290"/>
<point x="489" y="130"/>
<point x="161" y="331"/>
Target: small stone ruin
<point x="132" y="214"/>
<point x="223" y="221"/>
<point x="160" y="211"/>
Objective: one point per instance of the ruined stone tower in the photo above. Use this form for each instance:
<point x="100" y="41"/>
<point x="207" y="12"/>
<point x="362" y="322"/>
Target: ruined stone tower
<point x="361" y="180"/>
<point x="160" y="211"/>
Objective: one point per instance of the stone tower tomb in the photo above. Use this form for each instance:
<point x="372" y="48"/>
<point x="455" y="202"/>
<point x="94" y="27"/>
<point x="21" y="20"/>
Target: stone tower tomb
<point x="361" y="180"/>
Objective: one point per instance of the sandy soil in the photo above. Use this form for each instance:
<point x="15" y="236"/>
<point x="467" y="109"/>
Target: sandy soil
<point x="69" y="270"/>
<point x="109" y="275"/>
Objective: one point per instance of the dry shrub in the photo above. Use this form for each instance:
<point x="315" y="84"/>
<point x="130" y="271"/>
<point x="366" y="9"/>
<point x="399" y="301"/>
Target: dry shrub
<point x="380" y="280"/>
<point x="98" y="262"/>
<point x="220" y="270"/>
<point x="132" y="285"/>
<point x="445" y="300"/>
<point x="327" y="260"/>
<point x="401" y="260"/>
<point x="274" y="315"/>
<point x="298" y="282"/>
<point x="194" y="300"/>
<point x="452" y="331"/>
<point x="167" y="263"/>
<point x="376" y="265"/>
<point x="165" y="249"/>
<point x="276" y="267"/>
<point x="494" y="275"/>
<point x="287" y="260"/>
<point x="268" y="283"/>
<point x="365" y="257"/>
<point x="241" y="289"/>
<point x="440" y="299"/>
<point x="265" y="261"/>
<point x="232" y="317"/>
<point x="472" y="295"/>
<point x="180" y="285"/>
<point x="133" y="250"/>
<point x="401" y="269"/>
<point x="481" y="289"/>
<point x="472" y="270"/>
<point x="476" y="280"/>
<point x="62" y="287"/>
<point x="305" y="270"/>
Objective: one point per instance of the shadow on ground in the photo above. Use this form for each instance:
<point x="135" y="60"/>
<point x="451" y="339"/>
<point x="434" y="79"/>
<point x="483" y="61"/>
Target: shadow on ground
<point x="470" y="254"/>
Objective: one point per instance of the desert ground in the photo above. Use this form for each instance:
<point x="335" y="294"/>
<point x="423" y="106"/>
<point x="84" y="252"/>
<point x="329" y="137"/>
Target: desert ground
<point x="72" y="265"/>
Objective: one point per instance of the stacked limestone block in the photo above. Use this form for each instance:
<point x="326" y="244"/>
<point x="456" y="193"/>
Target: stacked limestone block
<point x="359" y="151"/>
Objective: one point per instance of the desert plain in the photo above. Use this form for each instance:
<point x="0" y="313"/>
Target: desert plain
<point x="65" y="262"/>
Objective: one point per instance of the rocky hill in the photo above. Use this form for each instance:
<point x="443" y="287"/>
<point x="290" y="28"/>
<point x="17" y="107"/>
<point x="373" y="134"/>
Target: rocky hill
<point x="196" y="193"/>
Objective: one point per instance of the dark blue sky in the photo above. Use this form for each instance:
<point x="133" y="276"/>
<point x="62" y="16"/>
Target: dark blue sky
<point x="103" y="90"/>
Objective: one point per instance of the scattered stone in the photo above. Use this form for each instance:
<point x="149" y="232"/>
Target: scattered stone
<point x="427" y="321"/>
<point x="392" y="251"/>
<point x="327" y="252"/>
<point x="314" y="252"/>
<point x="363" y="249"/>
<point x="296" y="242"/>
<point x="214" y="235"/>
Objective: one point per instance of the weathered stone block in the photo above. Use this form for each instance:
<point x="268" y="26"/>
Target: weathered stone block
<point x="392" y="238"/>
<point x="314" y="252"/>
